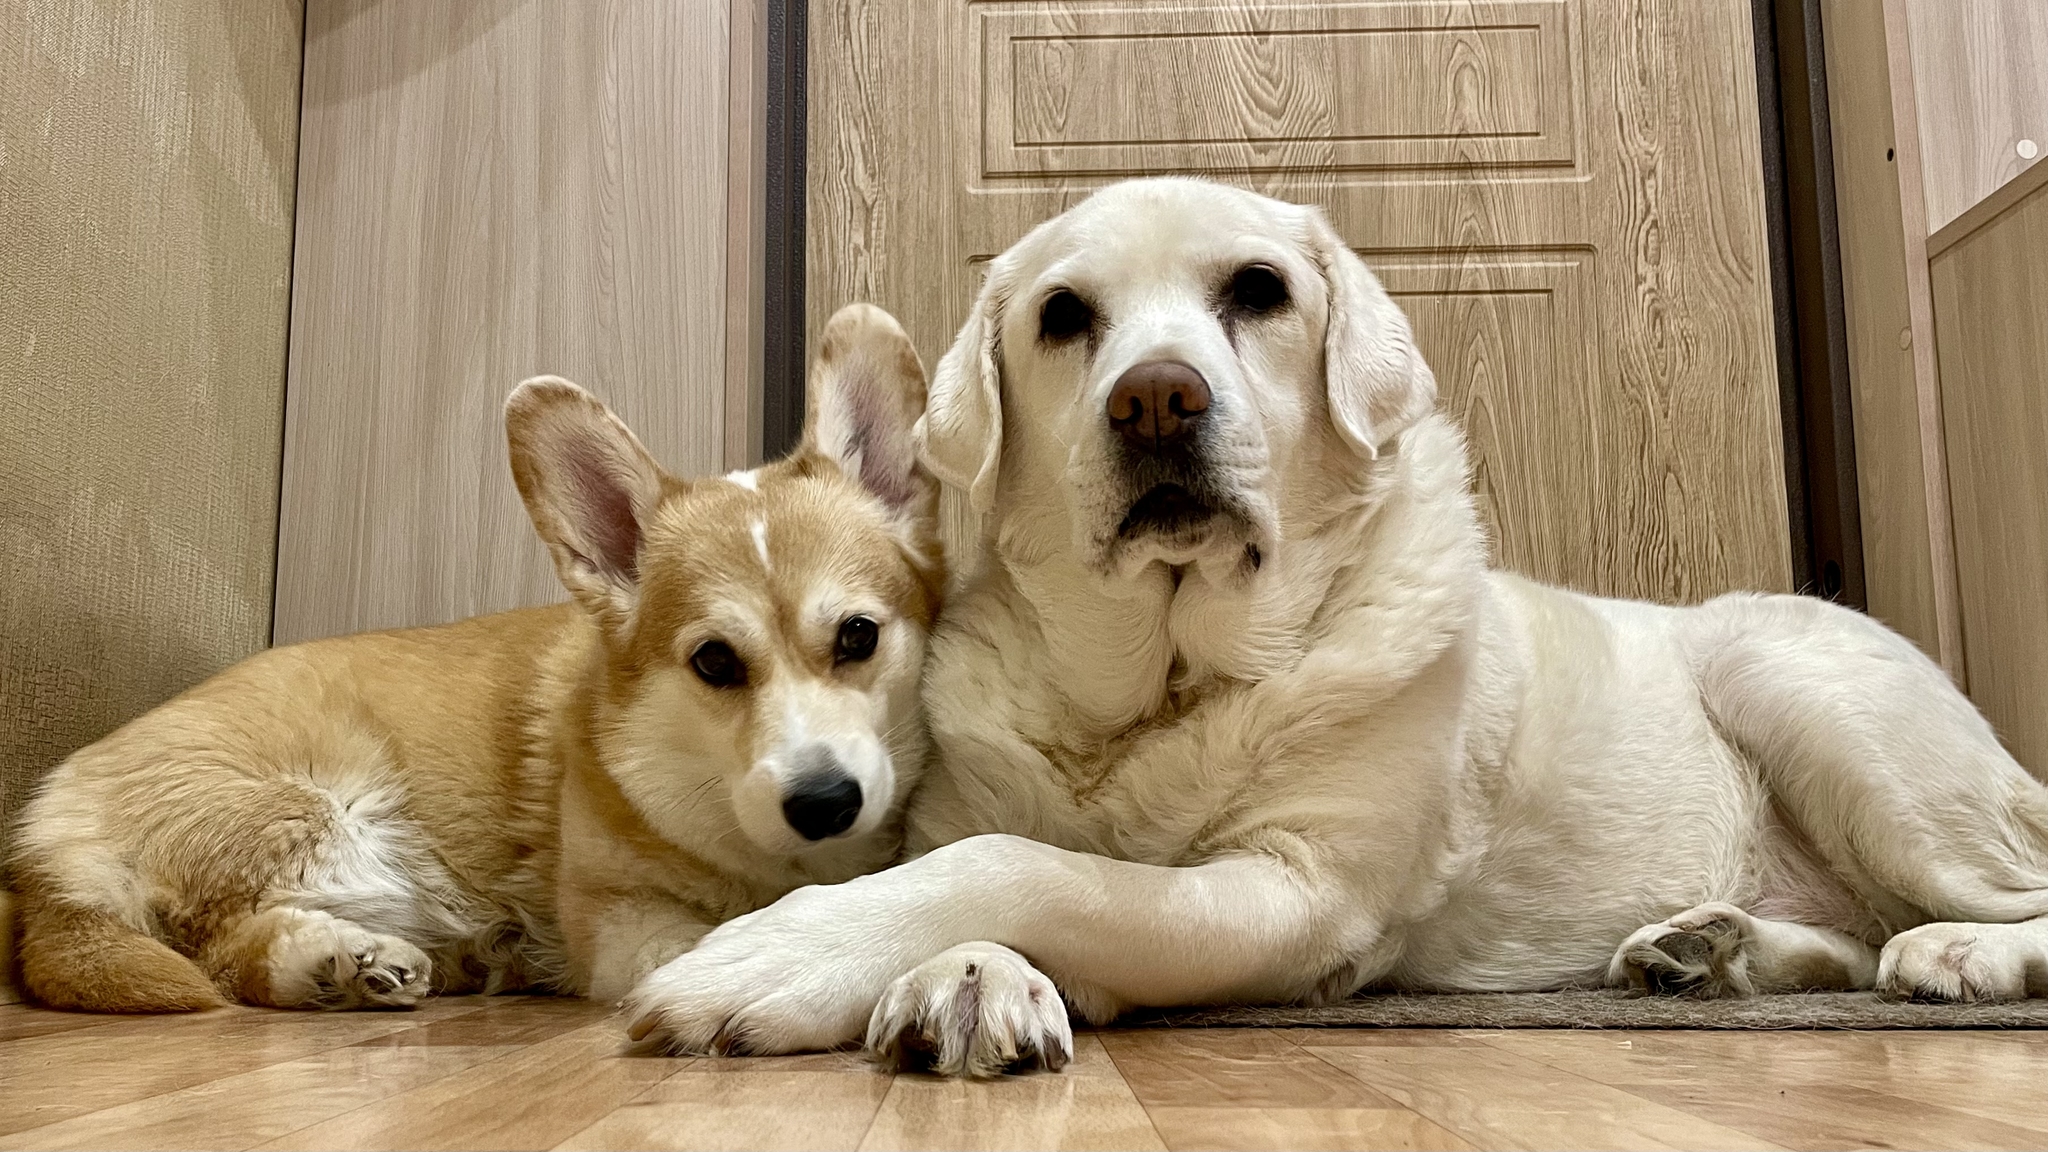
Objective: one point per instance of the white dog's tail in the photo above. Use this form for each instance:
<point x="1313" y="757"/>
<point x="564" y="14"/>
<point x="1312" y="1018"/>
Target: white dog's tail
<point x="1889" y="770"/>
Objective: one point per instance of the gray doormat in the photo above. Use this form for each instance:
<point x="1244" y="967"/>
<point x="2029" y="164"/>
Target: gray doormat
<point x="1610" y="1008"/>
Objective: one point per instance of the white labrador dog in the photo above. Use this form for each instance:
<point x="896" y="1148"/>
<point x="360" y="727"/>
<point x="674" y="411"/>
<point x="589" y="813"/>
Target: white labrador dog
<point x="1229" y="707"/>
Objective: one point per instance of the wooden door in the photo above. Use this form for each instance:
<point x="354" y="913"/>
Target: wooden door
<point x="1566" y="195"/>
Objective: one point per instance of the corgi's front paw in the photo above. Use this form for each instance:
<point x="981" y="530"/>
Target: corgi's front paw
<point x="976" y="1010"/>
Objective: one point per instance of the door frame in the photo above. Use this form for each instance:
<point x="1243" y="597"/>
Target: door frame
<point x="1807" y="302"/>
<point x="786" y="137"/>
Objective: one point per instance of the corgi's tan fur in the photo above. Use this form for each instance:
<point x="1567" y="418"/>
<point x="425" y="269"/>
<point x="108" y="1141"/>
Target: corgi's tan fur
<point x="552" y="798"/>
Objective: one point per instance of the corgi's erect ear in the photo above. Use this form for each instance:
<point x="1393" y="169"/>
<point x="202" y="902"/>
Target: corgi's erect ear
<point x="589" y="487"/>
<point x="866" y="393"/>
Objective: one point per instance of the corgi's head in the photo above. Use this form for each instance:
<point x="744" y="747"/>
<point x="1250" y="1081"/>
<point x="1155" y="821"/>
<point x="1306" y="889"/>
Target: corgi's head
<point x="764" y="631"/>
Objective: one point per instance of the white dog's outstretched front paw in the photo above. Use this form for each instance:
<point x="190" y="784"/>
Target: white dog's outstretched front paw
<point x="976" y="1010"/>
<point x="802" y="974"/>
<point x="693" y="1009"/>
<point x="1965" y="962"/>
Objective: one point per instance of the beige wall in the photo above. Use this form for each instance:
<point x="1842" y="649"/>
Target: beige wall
<point x="147" y="153"/>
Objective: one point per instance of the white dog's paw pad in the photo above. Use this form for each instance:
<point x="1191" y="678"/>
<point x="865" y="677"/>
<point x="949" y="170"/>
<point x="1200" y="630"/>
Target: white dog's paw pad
<point x="1698" y="952"/>
<point x="1964" y="962"/>
<point x="978" y="1010"/>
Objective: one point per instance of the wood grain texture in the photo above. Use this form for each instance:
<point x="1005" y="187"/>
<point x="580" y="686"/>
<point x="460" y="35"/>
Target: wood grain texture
<point x="746" y="231"/>
<point x="1089" y="1106"/>
<point x="1891" y="469"/>
<point x="52" y="1078"/>
<point x="1980" y="76"/>
<point x="1521" y="1106"/>
<point x="1596" y="307"/>
<point x="538" y="1096"/>
<point x="146" y="168"/>
<point x="490" y="190"/>
<point x="1906" y="133"/>
<point x="1231" y="88"/>
<point x="533" y="1073"/>
<point x="1990" y="301"/>
<point x="1981" y="214"/>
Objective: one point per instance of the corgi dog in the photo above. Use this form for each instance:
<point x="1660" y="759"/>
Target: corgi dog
<point x="549" y="799"/>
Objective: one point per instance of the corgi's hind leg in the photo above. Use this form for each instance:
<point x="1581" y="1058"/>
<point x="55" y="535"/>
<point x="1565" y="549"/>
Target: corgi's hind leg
<point x="287" y="957"/>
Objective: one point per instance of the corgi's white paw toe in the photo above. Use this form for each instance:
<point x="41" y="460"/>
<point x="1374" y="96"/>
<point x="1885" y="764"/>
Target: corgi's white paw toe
<point x="323" y="961"/>
<point x="371" y="970"/>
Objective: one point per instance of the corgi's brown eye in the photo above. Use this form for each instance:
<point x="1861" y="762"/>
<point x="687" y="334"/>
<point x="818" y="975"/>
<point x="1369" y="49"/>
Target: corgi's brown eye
<point x="718" y="665"/>
<point x="1064" y="317"/>
<point x="1257" y="288"/>
<point x="857" y="638"/>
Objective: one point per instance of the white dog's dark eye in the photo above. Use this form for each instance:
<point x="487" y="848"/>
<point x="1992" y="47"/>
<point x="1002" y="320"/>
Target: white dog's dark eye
<point x="718" y="665"/>
<point x="1064" y="317"/>
<point x="857" y="638"/>
<point x="1257" y="288"/>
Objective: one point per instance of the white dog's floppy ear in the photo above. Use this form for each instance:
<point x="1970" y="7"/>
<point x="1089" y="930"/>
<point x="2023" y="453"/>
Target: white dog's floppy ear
<point x="1377" y="380"/>
<point x="865" y="396"/>
<point x="590" y="488"/>
<point x="961" y="436"/>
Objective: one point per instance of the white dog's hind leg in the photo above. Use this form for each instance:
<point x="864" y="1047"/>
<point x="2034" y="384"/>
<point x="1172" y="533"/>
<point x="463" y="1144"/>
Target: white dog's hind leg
<point x="1890" y="773"/>
<point x="976" y="1010"/>
<point x="1949" y="961"/>
<point x="1718" y="950"/>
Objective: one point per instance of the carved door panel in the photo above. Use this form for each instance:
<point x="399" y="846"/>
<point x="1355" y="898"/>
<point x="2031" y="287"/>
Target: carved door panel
<point x="1566" y="195"/>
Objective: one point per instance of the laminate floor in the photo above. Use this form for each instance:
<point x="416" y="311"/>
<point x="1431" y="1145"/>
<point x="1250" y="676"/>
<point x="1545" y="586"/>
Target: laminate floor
<point x="518" y="1073"/>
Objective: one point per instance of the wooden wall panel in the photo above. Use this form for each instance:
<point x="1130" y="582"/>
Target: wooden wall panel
<point x="1588" y="169"/>
<point x="146" y="160"/>
<point x="1980" y="78"/>
<point x="1991" y="312"/>
<point x="491" y="190"/>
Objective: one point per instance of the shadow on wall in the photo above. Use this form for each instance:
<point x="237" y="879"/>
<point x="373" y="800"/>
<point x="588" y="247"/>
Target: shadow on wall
<point x="460" y="24"/>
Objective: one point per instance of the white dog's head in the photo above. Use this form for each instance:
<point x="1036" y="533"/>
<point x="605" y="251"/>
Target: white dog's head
<point x="1169" y="352"/>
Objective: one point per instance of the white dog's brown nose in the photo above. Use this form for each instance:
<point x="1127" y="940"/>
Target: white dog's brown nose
<point x="1156" y="403"/>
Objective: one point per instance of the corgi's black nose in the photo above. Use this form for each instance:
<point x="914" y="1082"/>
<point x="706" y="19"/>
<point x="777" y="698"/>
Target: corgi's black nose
<point x="822" y="805"/>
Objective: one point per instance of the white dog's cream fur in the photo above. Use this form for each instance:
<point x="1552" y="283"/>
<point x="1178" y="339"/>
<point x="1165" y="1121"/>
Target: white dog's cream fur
<point x="1317" y="746"/>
